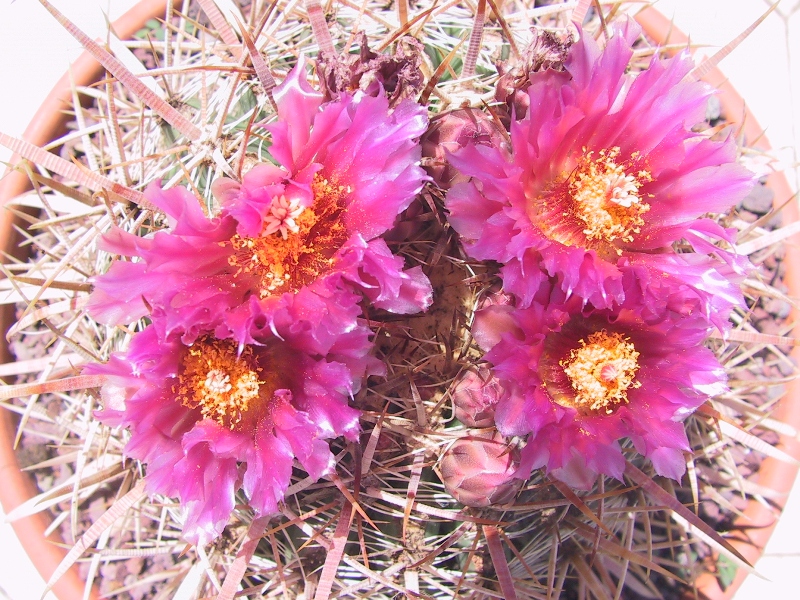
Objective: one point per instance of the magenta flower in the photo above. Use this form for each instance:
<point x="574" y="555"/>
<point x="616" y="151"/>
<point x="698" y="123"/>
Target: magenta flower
<point x="605" y="173"/>
<point x="186" y="274"/>
<point x="213" y="417"/>
<point x="347" y="169"/>
<point x="581" y="383"/>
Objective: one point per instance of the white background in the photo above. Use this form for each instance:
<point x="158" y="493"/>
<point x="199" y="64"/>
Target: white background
<point x="35" y="52"/>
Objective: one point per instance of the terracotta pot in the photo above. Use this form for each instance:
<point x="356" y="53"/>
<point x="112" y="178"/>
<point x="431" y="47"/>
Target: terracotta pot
<point x="48" y="124"/>
<point x="751" y="532"/>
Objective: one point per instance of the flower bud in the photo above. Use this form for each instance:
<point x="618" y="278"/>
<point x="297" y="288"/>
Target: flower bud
<point x="453" y="130"/>
<point x="547" y="50"/>
<point x="478" y="470"/>
<point x="397" y="77"/>
<point x="475" y="395"/>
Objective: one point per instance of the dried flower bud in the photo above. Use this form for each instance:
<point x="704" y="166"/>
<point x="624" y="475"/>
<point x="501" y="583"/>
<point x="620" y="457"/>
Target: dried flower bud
<point x="399" y="75"/>
<point x="453" y="130"/>
<point x="547" y="50"/>
<point x="478" y="470"/>
<point x="475" y="395"/>
<point x="496" y="297"/>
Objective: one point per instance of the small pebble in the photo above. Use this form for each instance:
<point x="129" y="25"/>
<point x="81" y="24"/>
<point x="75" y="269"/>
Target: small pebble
<point x="747" y="216"/>
<point x="769" y="326"/>
<point x="776" y="391"/>
<point x="778" y="308"/>
<point x="786" y="369"/>
<point x="743" y="375"/>
<point x="712" y="510"/>
<point x="770" y="263"/>
<point x="759" y="200"/>
<point x="713" y="109"/>
<point x="773" y="222"/>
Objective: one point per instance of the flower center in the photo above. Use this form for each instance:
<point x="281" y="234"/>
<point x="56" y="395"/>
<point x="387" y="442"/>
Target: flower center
<point x="234" y="390"/>
<point x="282" y="215"/>
<point x="600" y="371"/>
<point x="297" y="243"/>
<point x="598" y="204"/>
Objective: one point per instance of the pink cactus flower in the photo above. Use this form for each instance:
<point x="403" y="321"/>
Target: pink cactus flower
<point x="347" y="168"/>
<point x="604" y="175"/>
<point x="580" y="383"/>
<point x="212" y="417"/>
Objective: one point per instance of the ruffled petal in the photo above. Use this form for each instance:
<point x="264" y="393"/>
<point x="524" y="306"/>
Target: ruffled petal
<point x="298" y="104"/>
<point x="581" y="381"/>
<point x="380" y="276"/>
<point x="605" y="172"/>
<point x="215" y="416"/>
<point x="205" y="479"/>
<point x="269" y="471"/>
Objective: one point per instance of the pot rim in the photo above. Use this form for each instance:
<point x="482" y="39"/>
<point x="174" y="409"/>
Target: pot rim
<point x="48" y="123"/>
<point x="755" y="527"/>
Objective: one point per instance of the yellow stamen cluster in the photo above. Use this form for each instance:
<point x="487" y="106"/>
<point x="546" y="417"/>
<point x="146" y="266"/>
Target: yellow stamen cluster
<point x="601" y="371"/>
<point x="223" y="385"/>
<point x="300" y="254"/>
<point x="605" y="197"/>
<point x="234" y="389"/>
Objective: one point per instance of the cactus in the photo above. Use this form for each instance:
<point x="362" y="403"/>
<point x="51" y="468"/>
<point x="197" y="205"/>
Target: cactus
<point x="388" y="451"/>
